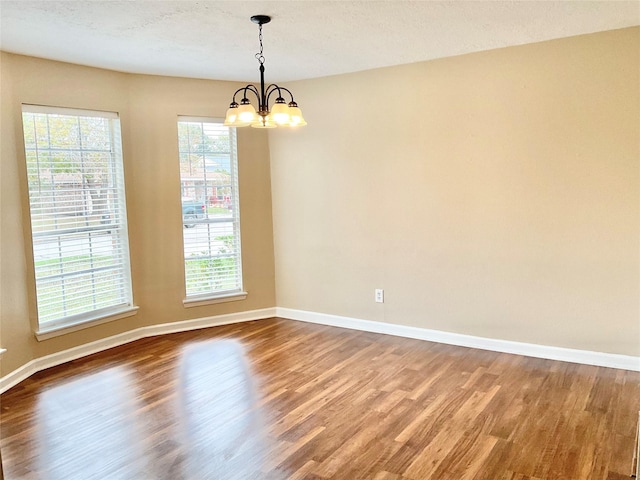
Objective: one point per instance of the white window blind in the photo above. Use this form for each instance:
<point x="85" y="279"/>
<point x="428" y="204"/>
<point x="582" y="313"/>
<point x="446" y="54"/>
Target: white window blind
<point x="78" y="215"/>
<point x="210" y="210"/>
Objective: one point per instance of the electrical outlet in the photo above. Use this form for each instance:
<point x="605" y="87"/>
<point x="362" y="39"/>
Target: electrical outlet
<point x="379" y="295"/>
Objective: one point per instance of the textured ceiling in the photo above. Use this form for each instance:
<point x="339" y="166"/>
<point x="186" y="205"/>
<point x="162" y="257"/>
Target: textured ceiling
<point x="306" y="39"/>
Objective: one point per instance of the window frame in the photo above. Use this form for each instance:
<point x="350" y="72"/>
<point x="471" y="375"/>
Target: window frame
<point x="227" y="295"/>
<point x="123" y="306"/>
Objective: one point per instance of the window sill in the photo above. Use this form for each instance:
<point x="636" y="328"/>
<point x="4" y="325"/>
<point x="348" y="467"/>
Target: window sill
<point x="212" y="299"/>
<point x="45" y="333"/>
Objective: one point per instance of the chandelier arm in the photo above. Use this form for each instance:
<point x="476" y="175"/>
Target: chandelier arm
<point x="288" y="91"/>
<point x="237" y="92"/>
<point x="270" y="89"/>
<point x="251" y="88"/>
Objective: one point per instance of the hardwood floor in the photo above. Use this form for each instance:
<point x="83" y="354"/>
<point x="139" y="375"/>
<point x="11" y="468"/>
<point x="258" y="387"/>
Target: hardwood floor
<point x="277" y="399"/>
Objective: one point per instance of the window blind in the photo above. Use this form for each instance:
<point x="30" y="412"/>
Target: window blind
<point x="210" y="207"/>
<point x="78" y="216"/>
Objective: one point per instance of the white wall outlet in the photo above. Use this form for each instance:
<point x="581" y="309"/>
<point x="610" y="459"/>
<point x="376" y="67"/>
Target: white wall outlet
<point x="379" y="295"/>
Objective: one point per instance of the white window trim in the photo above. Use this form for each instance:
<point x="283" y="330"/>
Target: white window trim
<point x="211" y="298"/>
<point x="85" y="321"/>
<point x="32" y="108"/>
<point x="198" y="301"/>
<point x="82" y="321"/>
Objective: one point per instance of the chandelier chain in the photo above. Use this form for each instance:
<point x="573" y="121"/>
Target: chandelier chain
<point x="259" y="55"/>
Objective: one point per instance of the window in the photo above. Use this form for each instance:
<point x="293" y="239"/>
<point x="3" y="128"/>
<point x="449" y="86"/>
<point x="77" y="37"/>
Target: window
<point x="78" y="216"/>
<point x="210" y="213"/>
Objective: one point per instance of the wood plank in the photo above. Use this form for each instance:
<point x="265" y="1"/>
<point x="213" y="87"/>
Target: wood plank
<point x="279" y="400"/>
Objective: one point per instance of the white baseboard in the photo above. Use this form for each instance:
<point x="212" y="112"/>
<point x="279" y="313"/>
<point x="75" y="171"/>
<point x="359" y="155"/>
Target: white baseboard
<point x="25" y="371"/>
<point x="611" y="360"/>
<point x="600" y="359"/>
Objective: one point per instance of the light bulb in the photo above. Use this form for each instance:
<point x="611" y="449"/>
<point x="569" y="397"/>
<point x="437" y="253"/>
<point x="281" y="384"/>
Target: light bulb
<point x="296" y="117"/>
<point x="280" y="113"/>
<point x="246" y="113"/>
<point x="264" y="122"/>
<point x="231" y="117"/>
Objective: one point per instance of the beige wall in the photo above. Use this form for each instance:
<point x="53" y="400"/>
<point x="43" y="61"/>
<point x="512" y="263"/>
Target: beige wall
<point x="502" y="199"/>
<point x="495" y="194"/>
<point x="148" y="107"/>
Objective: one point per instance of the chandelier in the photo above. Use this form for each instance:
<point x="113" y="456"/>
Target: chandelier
<point x="281" y="113"/>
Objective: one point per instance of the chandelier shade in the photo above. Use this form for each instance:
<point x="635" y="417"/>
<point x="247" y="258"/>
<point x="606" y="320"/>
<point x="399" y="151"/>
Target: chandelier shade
<point x="280" y="114"/>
